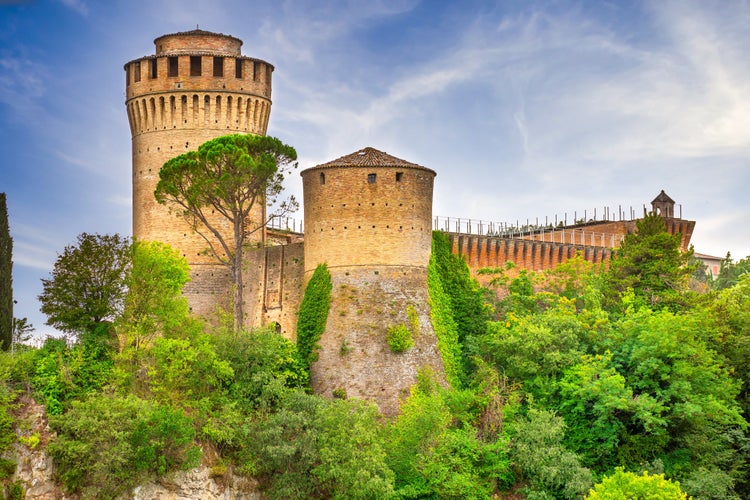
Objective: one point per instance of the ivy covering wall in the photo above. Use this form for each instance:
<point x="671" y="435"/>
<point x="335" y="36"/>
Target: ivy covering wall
<point x="444" y="325"/>
<point x="313" y="314"/>
<point x="459" y="314"/>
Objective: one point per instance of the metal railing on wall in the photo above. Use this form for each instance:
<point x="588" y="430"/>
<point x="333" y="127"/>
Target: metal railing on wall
<point x="285" y="224"/>
<point x="557" y="229"/>
<point x="543" y="233"/>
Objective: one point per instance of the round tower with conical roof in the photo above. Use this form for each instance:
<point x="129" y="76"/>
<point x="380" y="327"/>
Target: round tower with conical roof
<point x="368" y="208"/>
<point x="368" y="216"/>
<point x="195" y="87"/>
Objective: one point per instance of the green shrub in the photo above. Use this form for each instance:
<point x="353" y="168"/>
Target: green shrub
<point x="107" y="444"/>
<point x="399" y="338"/>
<point x="317" y="448"/>
<point x="313" y="314"/>
<point x="549" y="469"/>
<point x="163" y="440"/>
<point x="435" y="457"/>
<point x="623" y="484"/>
<point x="15" y="491"/>
<point x="93" y="449"/>
<point x="64" y="373"/>
<point x="259" y="358"/>
<point x="7" y="468"/>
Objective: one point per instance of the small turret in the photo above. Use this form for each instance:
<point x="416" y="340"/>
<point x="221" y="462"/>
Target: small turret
<point x="663" y="205"/>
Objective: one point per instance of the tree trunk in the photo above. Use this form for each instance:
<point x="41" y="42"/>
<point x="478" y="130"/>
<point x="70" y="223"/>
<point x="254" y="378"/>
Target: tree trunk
<point x="237" y="274"/>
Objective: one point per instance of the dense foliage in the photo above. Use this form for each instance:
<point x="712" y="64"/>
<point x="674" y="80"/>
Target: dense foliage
<point x="313" y="314"/>
<point x="564" y="385"/>
<point x="731" y="272"/>
<point x="6" y="277"/>
<point x="623" y="484"/>
<point x="87" y="284"/>
<point x="649" y="262"/>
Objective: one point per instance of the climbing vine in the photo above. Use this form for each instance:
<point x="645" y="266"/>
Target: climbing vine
<point x="444" y="325"/>
<point x="465" y="298"/>
<point x="313" y="314"/>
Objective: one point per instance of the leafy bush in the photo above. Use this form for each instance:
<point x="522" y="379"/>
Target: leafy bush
<point x="64" y="373"/>
<point x="107" y="443"/>
<point x="163" y="440"/>
<point x="399" y="338"/>
<point x="259" y="358"/>
<point x="545" y="464"/>
<point x="435" y="453"/>
<point x="316" y="448"/>
<point x="623" y="484"/>
<point x="313" y="314"/>
<point x="94" y="451"/>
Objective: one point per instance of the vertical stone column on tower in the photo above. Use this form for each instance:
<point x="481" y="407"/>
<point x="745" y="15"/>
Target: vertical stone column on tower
<point x="197" y="86"/>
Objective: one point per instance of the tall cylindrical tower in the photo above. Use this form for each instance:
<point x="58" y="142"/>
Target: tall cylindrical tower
<point x="196" y="87"/>
<point x="368" y="216"/>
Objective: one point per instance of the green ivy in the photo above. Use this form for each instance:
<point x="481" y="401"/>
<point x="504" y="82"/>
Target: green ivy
<point x="444" y="325"/>
<point x="467" y="299"/>
<point x="313" y="314"/>
<point x="463" y="297"/>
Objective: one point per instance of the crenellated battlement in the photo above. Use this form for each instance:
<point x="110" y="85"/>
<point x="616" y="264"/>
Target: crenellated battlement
<point x="198" y="70"/>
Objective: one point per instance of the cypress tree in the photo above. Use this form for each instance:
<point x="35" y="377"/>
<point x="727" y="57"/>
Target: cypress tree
<point x="6" y="278"/>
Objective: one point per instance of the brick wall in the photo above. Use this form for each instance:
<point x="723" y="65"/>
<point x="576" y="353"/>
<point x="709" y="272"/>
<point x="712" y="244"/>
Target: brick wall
<point x="610" y="233"/>
<point x="352" y="222"/>
<point x="493" y="251"/>
<point x="274" y="286"/>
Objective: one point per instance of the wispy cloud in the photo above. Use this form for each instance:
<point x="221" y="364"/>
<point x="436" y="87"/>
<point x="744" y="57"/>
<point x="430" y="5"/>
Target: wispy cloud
<point x="33" y="246"/>
<point x="78" y="6"/>
<point x="22" y="83"/>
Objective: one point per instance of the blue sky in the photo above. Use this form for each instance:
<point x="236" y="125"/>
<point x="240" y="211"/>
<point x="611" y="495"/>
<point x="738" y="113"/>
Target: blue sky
<point x="525" y="109"/>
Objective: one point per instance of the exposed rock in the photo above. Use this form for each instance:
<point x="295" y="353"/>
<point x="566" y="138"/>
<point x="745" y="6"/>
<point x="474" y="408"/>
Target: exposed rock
<point x="198" y="483"/>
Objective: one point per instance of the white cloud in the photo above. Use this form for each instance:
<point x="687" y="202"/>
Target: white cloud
<point x="22" y="83"/>
<point x="78" y="6"/>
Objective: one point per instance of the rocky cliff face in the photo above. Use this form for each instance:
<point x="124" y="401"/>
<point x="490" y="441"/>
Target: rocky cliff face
<point x="35" y="470"/>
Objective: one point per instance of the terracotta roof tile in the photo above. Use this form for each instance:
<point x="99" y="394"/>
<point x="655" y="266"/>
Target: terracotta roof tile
<point x="369" y="157"/>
